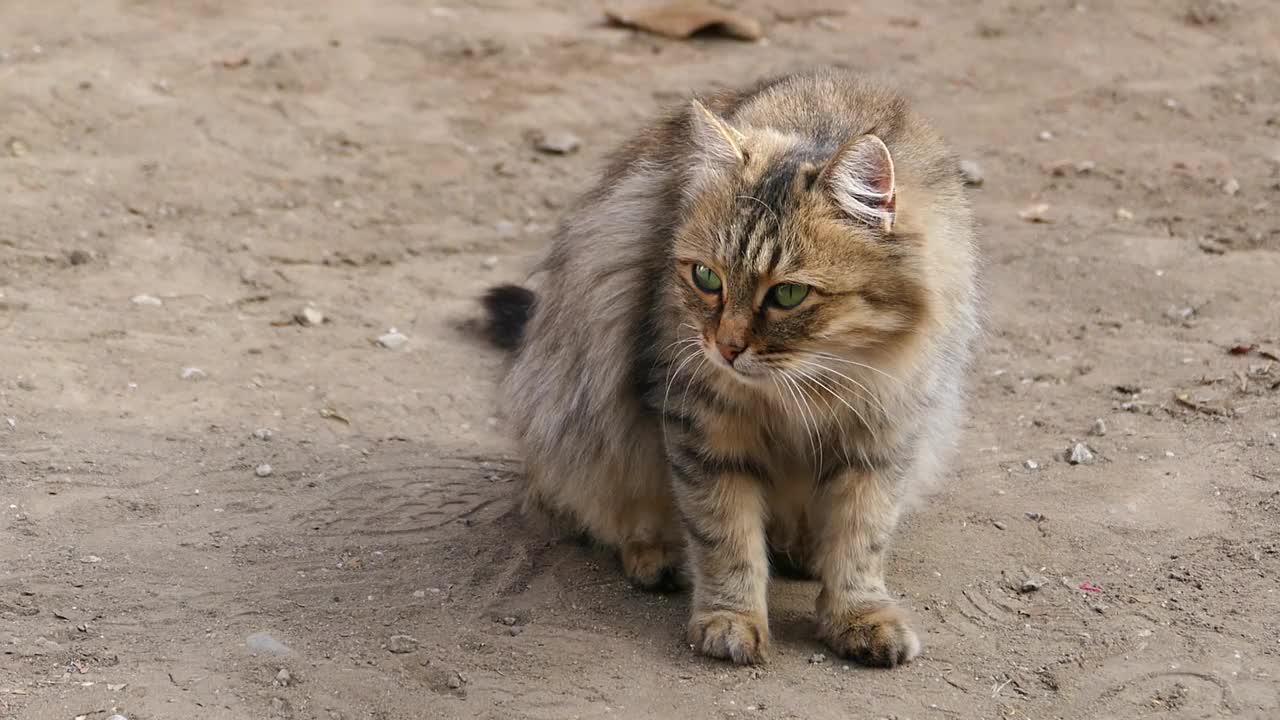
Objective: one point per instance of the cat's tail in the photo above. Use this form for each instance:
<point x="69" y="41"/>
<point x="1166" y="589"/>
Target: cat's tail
<point x="508" y="309"/>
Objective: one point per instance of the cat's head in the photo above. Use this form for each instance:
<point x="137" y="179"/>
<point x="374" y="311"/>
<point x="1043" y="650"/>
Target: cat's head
<point x="789" y="252"/>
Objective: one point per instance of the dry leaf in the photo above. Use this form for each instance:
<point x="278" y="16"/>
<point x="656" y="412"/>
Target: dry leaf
<point x="1185" y="401"/>
<point x="682" y="20"/>
<point x="329" y="413"/>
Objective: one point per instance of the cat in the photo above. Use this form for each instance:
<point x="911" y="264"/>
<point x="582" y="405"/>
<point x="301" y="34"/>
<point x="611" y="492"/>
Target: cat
<point x="747" y="343"/>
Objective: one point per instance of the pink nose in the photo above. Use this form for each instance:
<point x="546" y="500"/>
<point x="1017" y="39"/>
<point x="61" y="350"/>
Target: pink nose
<point x="728" y="352"/>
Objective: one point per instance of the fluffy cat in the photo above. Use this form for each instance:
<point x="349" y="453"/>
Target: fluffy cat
<point x="746" y="345"/>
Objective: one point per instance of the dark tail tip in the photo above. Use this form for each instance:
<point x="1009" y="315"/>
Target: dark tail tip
<point x="509" y="308"/>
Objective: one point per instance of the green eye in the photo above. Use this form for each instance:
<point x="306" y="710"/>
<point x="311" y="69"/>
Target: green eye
<point x="706" y="279"/>
<point x="789" y="295"/>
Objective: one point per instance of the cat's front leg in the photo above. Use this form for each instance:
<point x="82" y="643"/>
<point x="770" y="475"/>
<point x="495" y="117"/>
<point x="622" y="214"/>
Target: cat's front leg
<point x="856" y="510"/>
<point x="723" y="511"/>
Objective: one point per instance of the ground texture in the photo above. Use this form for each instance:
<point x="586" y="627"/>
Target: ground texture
<point x="239" y="161"/>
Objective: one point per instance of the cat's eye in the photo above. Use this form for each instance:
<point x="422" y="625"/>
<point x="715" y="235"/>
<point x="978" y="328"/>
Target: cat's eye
<point x="706" y="279"/>
<point x="789" y="295"/>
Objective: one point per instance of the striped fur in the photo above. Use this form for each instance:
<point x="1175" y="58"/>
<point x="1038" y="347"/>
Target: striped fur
<point x="804" y="448"/>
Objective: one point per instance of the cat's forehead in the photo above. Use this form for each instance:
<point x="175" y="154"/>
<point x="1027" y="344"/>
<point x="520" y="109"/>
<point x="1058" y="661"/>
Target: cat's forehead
<point x="757" y="216"/>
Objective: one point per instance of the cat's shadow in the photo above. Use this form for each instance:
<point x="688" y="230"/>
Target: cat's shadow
<point x="569" y="585"/>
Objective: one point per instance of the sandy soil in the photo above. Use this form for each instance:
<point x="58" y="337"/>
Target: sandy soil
<point x="240" y="160"/>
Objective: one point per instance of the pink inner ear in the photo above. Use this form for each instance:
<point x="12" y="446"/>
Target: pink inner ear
<point x="882" y="179"/>
<point x="873" y="163"/>
<point x="861" y="181"/>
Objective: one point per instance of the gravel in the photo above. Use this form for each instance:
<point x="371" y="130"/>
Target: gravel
<point x="1080" y="454"/>
<point x="402" y="644"/>
<point x="971" y="173"/>
<point x="393" y="340"/>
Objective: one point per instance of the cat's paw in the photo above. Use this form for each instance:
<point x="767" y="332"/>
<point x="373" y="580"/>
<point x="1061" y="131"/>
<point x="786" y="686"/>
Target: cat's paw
<point x="877" y="634"/>
<point x="730" y="635"/>
<point x="652" y="566"/>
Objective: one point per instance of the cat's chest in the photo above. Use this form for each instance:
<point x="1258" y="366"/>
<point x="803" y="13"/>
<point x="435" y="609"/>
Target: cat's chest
<point x="792" y="457"/>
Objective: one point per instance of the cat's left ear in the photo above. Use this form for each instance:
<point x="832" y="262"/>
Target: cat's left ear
<point x="718" y="141"/>
<point x="859" y="179"/>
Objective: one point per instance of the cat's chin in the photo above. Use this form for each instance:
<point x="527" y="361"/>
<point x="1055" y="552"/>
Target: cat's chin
<point x="749" y="374"/>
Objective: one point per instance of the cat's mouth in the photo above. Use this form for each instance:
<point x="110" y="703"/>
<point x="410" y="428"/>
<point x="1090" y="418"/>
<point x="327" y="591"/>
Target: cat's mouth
<point x="745" y="366"/>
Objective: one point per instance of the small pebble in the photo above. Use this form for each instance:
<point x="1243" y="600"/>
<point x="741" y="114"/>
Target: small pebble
<point x="817" y="659"/>
<point x="515" y="630"/>
<point x="1035" y="516"/>
<point x="1231" y="186"/>
<point x="1033" y="583"/>
<point x="971" y="173"/>
<point x="1124" y="214"/>
<point x="393" y="340"/>
<point x="90" y="559"/>
<point x="509" y="620"/>
<point x="402" y="644"/>
<point x="309" y="317"/>
<point x="263" y="470"/>
<point x="1031" y="465"/>
<point x="79" y="257"/>
<point x="17" y="148"/>
<point x="490" y="262"/>
<point x="1084" y="167"/>
<point x="558" y="143"/>
<point x="1038" y="213"/>
<point x="263" y="434"/>
<point x="146" y="300"/>
<point x="26" y="384"/>
<point x="999" y="525"/>
<point x="419" y="593"/>
<point x="1099" y="428"/>
<point x="454" y="682"/>
<point x="1080" y="454"/>
<point x="1045" y="136"/>
<point x="117" y="717"/>
<point x="284" y="678"/>
<point x="193" y="373"/>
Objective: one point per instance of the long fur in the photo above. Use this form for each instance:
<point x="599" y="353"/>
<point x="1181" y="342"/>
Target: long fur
<point x="508" y="308"/>
<point x="836" y="412"/>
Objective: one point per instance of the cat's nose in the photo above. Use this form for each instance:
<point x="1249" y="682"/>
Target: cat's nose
<point x="728" y="352"/>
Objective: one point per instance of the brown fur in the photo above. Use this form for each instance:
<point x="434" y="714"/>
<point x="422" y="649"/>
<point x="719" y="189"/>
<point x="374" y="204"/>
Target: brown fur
<point x="806" y="447"/>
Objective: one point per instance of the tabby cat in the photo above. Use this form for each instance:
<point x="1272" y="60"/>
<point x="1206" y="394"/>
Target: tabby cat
<point x="745" y="345"/>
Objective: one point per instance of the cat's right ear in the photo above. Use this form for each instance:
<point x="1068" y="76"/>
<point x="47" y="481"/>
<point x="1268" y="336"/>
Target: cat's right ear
<point x="718" y="144"/>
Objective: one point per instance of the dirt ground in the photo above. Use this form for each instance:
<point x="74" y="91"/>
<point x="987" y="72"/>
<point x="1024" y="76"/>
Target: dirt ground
<point x="179" y="179"/>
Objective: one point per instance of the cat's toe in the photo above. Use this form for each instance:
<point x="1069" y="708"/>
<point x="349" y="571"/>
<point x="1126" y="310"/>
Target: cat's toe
<point x="728" y="635"/>
<point x="652" y="566"/>
<point x="877" y="634"/>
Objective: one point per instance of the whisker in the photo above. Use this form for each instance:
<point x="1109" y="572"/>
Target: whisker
<point x="803" y="405"/>
<point x="786" y="383"/>
<point x="831" y="410"/>
<point x="682" y="341"/>
<point x="837" y="358"/>
<point x="855" y="411"/>
<point x="871" y="396"/>
<point x="761" y="203"/>
<point x="685" y="396"/>
<point x="671" y="377"/>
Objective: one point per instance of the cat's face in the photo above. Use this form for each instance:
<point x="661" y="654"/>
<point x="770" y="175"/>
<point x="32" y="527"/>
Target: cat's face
<point x="789" y="262"/>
